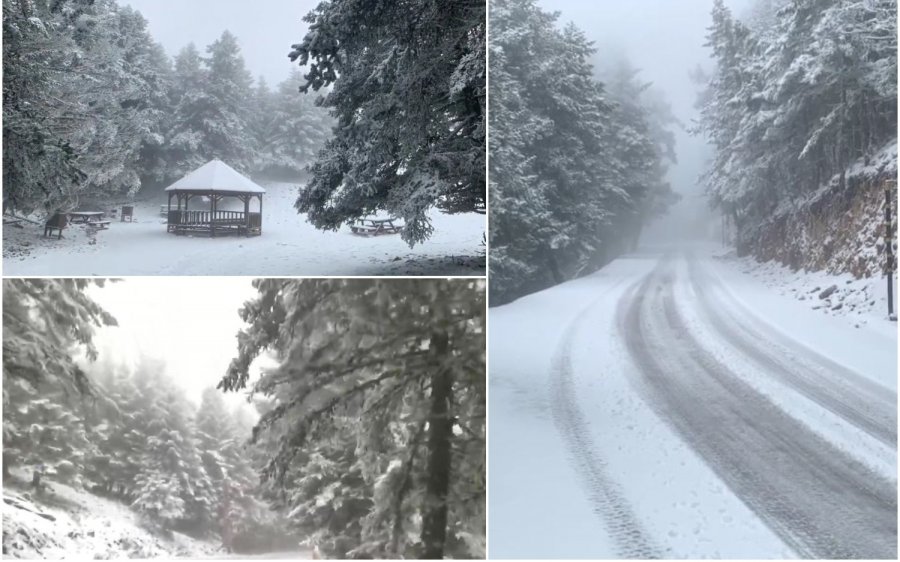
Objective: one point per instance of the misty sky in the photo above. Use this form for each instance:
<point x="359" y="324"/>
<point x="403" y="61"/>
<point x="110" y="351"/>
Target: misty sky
<point x="265" y="29"/>
<point x="190" y="323"/>
<point x="664" y="38"/>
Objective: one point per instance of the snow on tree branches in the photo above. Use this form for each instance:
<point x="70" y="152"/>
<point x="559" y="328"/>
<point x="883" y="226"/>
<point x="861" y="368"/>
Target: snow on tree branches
<point x="408" y="90"/>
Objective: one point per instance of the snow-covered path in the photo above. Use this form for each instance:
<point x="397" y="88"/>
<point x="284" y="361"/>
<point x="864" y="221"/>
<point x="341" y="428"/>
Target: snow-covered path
<point x="669" y="406"/>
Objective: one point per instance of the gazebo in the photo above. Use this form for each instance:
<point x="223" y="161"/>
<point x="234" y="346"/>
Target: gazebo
<point x="217" y="181"/>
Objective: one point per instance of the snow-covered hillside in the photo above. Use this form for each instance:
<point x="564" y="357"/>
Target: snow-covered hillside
<point x="68" y="523"/>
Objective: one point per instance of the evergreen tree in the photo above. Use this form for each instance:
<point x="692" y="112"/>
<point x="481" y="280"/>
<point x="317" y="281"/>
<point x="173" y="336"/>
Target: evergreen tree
<point x="575" y="171"/>
<point x="120" y="433"/>
<point x="792" y="105"/>
<point x="212" y="116"/>
<point x="291" y="129"/>
<point x="46" y="322"/>
<point x="227" y="134"/>
<point x="377" y="431"/>
<point x="408" y="92"/>
<point x="82" y="95"/>
<point x="43" y="426"/>
<point x="172" y="486"/>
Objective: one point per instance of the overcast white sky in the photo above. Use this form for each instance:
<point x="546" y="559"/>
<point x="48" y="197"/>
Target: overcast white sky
<point x="664" y="38"/>
<point x="265" y="29"/>
<point x="190" y="323"/>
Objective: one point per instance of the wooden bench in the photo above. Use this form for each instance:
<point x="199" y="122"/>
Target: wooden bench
<point x="99" y="225"/>
<point x="58" y="221"/>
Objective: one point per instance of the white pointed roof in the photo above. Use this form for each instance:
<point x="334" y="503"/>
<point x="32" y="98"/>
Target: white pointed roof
<point x="215" y="175"/>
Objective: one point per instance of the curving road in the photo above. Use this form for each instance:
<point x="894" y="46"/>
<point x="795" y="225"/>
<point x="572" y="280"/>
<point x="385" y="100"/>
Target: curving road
<point x="814" y="496"/>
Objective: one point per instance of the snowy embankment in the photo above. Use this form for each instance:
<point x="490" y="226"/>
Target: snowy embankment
<point x="67" y="523"/>
<point x="288" y="246"/>
<point x="858" y="301"/>
<point x="584" y="448"/>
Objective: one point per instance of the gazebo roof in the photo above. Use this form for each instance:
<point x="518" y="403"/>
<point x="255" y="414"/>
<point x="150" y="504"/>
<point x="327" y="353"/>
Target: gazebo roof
<point x="215" y="176"/>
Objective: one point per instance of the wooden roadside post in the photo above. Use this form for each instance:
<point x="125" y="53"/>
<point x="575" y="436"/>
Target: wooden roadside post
<point x="889" y="187"/>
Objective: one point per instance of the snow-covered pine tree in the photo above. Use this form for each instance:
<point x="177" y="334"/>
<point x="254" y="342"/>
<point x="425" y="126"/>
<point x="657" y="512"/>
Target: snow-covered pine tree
<point x="83" y="92"/>
<point x="790" y="106"/>
<point x="123" y="101"/>
<point x="573" y="173"/>
<point x="44" y="426"/>
<point x="46" y="322"/>
<point x="190" y="103"/>
<point x="227" y="132"/>
<point x="292" y="129"/>
<point x="172" y="487"/>
<point x="378" y="424"/>
<point x="39" y="59"/>
<point x="228" y="466"/>
<point x="263" y="125"/>
<point x="119" y="431"/>
<point x="408" y="91"/>
<point x="212" y="118"/>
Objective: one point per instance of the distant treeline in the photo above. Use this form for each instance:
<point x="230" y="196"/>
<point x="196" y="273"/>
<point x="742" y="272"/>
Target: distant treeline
<point x="93" y="106"/>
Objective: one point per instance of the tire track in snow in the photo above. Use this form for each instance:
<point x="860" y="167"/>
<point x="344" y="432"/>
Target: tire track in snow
<point x="856" y="399"/>
<point x="820" y="501"/>
<point x="607" y="500"/>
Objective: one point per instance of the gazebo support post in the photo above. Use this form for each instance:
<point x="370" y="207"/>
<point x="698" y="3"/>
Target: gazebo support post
<point x="260" y="213"/>
<point x="246" y="199"/>
<point x="212" y="215"/>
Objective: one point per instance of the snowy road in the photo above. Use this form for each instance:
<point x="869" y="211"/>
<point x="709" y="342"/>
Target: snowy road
<point x="668" y="407"/>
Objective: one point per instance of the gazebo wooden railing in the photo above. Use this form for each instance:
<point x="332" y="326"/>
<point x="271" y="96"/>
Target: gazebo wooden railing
<point x="223" y="222"/>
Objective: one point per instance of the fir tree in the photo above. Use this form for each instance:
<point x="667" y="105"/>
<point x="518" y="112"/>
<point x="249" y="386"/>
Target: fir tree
<point x="378" y="424"/>
<point x="408" y="92"/>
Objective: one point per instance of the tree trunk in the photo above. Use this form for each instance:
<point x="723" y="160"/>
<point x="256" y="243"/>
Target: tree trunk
<point x="554" y="267"/>
<point x="440" y="433"/>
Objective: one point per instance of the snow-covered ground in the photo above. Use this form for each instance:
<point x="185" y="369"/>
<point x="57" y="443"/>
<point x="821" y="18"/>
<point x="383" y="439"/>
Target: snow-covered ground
<point x="288" y="246"/>
<point x="67" y="523"/>
<point x="858" y="301"/>
<point x="671" y="405"/>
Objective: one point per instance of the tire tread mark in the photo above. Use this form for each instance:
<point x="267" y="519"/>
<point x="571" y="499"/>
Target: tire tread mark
<point x="751" y="435"/>
<point x="846" y="394"/>
<point x="607" y="500"/>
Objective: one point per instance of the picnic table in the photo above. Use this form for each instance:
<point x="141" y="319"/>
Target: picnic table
<point x="90" y="218"/>
<point x="374" y="227"/>
<point x="59" y="221"/>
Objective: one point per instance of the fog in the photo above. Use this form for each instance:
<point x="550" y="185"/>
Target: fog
<point x="664" y="39"/>
<point x="265" y="30"/>
<point x="189" y="323"/>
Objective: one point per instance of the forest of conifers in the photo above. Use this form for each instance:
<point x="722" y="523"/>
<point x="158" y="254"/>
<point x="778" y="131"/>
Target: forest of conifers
<point x="799" y="91"/>
<point x="366" y="439"/>
<point x="93" y="107"/>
